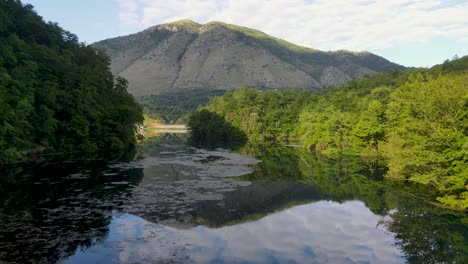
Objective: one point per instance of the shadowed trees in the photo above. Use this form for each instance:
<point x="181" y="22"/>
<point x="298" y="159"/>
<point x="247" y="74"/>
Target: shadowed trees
<point x="56" y="93"/>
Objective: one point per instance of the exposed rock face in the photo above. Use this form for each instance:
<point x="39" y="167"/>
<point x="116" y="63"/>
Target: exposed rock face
<point x="331" y="76"/>
<point x="186" y="55"/>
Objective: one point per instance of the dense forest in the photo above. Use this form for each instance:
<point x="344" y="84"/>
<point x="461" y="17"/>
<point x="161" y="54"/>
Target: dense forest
<point x="57" y="94"/>
<point x="175" y="107"/>
<point x="415" y="120"/>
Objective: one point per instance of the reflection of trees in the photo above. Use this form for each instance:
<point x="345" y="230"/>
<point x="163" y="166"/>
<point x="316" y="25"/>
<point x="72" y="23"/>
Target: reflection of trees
<point x="339" y="179"/>
<point x="153" y="145"/>
<point x="45" y="216"/>
<point x="426" y="234"/>
<point x="51" y="209"/>
<point x="172" y="139"/>
<point x="344" y="178"/>
<point x="278" y="163"/>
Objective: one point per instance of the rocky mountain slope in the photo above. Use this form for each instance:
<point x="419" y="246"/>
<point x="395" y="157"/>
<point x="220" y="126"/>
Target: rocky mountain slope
<point x="185" y="55"/>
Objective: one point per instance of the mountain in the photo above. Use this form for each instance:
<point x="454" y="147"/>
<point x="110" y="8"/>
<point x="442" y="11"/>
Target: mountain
<point x="185" y="55"/>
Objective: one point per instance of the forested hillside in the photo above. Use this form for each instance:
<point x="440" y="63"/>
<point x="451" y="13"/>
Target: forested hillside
<point x="175" y="108"/>
<point x="416" y="120"/>
<point x="56" y="93"/>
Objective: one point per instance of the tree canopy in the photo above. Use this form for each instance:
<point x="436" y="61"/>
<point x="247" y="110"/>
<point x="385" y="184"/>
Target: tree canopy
<point x="56" y="93"/>
<point x="415" y="119"/>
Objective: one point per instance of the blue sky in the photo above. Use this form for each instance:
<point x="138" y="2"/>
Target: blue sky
<point x="417" y="33"/>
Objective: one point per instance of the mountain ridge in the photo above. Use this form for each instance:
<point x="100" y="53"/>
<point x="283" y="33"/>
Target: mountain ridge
<point x="183" y="55"/>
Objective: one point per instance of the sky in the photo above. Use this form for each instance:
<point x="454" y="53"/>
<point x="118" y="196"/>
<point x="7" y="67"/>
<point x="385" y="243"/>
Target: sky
<point x="416" y="33"/>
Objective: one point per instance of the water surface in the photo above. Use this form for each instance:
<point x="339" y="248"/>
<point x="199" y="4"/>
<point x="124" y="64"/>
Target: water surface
<point x="175" y="204"/>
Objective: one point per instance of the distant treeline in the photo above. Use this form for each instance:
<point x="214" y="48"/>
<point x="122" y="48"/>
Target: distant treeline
<point x="175" y="107"/>
<point x="416" y="119"/>
<point x="56" y="93"/>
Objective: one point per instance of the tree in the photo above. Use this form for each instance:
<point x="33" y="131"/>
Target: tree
<point x="370" y="126"/>
<point x="211" y="130"/>
<point x="57" y="93"/>
<point x="427" y="135"/>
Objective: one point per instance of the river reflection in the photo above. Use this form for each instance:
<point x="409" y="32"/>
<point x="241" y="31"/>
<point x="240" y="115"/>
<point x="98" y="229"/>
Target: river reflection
<point x="317" y="232"/>
<point x="176" y="204"/>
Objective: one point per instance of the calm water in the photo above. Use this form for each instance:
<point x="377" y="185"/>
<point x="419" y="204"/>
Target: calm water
<point x="174" y="204"/>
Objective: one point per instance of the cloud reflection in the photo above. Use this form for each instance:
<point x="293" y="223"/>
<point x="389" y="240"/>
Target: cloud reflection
<point x="318" y="232"/>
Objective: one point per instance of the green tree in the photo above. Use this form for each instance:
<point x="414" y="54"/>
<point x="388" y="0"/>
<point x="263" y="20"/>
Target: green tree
<point x="427" y="135"/>
<point x="211" y="130"/>
<point x="57" y="93"/>
<point x="370" y="126"/>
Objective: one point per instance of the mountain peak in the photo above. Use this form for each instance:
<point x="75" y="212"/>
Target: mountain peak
<point x="184" y="55"/>
<point x="178" y="25"/>
<point x="183" y="22"/>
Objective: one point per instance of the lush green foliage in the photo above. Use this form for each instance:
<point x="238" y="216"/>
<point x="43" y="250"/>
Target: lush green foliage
<point x="427" y="132"/>
<point x="261" y="115"/>
<point x="211" y="130"/>
<point x="173" y="108"/>
<point x="416" y="119"/>
<point x="56" y="93"/>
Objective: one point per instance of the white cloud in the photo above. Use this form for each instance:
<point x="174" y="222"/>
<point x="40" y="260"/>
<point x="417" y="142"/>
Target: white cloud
<point x="322" y="24"/>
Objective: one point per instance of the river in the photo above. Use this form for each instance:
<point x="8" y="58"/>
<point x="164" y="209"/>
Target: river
<point x="172" y="203"/>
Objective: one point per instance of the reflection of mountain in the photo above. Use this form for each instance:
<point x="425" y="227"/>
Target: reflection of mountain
<point x="187" y="195"/>
<point x="185" y="189"/>
<point x="177" y="180"/>
<point x="253" y="202"/>
<point x="319" y="232"/>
